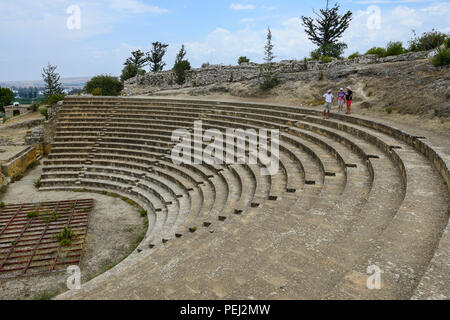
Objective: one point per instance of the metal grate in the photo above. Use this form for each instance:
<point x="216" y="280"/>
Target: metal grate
<point x="28" y="243"/>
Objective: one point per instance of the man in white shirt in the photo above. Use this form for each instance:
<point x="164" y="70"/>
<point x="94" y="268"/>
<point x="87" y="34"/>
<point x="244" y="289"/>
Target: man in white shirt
<point x="328" y="97"/>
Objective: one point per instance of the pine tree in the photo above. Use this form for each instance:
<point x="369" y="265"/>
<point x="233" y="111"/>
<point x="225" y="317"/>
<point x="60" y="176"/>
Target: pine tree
<point x="155" y="56"/>
<point x="51" y="79"/>
<point x="181" y="66"/>
<point x="266" y="72"/>
<point x="327" y="28"/>
<point x="138" y="59"/>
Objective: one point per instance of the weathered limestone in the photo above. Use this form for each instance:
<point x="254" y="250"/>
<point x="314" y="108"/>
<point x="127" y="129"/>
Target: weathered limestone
<point x="215" y="74"/>
<point x="350" y="193"/>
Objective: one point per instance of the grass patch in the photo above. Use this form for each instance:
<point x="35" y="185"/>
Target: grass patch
<point x="33" y="214"/>
<point x="144" y="213"/>
<point x="37" y="183"/>
<point x="45" y="295"/>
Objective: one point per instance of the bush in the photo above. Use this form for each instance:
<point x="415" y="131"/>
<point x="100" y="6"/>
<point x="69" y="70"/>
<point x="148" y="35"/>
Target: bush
<point x="110" y="86"/>
<point x="380" y="52"/>
<point x="388" y="110"/>
<point x="394" y="49"/>
<point x="65" y="237"/>
<point x="428" y="41"/>
<point x="442" y="58"/>
<point x="44" y="112"/>
<point x="353" y="55"/>
<point x="269" y="83"/>
<point x="97" y="92"/>
<point x="243" y="59"/>
<point x="180" y="69"/>
<point x="326" y="59"/>
<point x="55" y="98"/>
<point x="447" y="42"/>
<point x="34" y="107"/>
<point x="2" y="204"/>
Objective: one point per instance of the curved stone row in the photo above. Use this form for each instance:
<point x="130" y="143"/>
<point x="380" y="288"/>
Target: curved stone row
<point x="350" y="193"/>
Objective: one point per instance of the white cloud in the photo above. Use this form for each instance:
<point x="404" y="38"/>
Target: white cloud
<point x="136" y="6"/>
<point x="240" y="6"/>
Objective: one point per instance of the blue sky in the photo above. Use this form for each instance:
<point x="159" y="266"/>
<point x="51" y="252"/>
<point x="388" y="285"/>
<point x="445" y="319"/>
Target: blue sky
<point x="34" y="32"/>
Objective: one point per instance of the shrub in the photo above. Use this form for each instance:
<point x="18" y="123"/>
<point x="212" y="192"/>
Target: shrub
<point x="243" y="59"/>
<point x="2" y="204"/>
<point x="37" y="183"/>
<point x="180" y="69"/>
<point x="97" y="92"/>
<point x="334" y="50"/>
<point x="326" y="59"/>
<point x="33" y="214"/>
<point x="270" y="83"/>
<point x="394" y="49"/>
<point x="44" y="112"/>
<point x="353" y="55"/>
<point x="389" y="110"/>
<point x="442" y="57"/>
<point x="65" y="237"/>
<point x="144" y="213"/>
<point x="54" y="98"/>
<point x="380" y="52"/>
<point x="428" y="41"/>
<point x="110" y="86"/>
<point x="34" y="107"/>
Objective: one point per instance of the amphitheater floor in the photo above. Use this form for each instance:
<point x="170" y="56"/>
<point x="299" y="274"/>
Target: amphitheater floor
<point x="113" y="231"/>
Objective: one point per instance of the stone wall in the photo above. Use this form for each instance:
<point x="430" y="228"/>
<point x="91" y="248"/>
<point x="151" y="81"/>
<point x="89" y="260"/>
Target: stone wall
<point x="286" y="70"/>
<point x="19" y="163"/>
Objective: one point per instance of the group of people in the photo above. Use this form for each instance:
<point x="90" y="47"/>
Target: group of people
<point x="344" y="97"/>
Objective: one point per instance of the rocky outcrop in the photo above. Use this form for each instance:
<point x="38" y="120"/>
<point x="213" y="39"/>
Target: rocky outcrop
<point x="286" y="70"/>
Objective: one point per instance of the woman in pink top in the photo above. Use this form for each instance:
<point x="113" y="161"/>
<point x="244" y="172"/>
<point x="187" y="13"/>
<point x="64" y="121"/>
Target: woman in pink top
<point x="341" y="99"/>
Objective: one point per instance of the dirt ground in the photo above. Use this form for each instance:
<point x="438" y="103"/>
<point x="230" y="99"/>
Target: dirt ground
<point x="114" y="229"/>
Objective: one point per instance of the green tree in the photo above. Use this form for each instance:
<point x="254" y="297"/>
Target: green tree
<point x="6" y="98"/>
<point x="266" y="71"/>
<point x="109" y="85"/>
<point x="380" y="52"/>
<point x="394" y="48"/>
<point x="138" y="58"/>
<point x="181" y="66"/>
<point x="156" y="55"/>
<point x="427" y="41"/>
<point x="130" y="71"/>
<point x="327" y="28"/>
<point x="243" y="59"/>
<point x="52" y="81"/>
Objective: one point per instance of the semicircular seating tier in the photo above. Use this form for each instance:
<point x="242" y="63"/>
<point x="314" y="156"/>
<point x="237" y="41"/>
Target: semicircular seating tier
<point x="350" y="194"/>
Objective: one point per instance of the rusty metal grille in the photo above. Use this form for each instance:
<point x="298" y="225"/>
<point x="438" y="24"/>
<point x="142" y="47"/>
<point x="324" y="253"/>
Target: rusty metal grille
<point x="28" y="236"/>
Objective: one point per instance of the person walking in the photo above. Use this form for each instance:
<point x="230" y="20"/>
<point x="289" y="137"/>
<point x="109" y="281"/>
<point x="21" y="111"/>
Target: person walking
<point x="341" y="100"/>
<point x="349" y="99"/>
<point x="328" y="97"/>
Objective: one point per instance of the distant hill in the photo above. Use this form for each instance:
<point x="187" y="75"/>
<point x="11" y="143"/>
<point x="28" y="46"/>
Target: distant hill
<point x="70" y="83"/>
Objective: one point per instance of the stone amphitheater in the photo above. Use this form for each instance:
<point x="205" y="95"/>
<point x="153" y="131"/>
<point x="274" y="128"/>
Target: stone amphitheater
<point x="350" y="193"/>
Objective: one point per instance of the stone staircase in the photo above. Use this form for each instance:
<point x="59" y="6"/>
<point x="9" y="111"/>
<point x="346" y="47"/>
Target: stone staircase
<point x="350" y="193"/>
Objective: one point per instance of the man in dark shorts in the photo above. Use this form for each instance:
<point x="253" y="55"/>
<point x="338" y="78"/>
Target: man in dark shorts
<point x="349" y="99"/>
